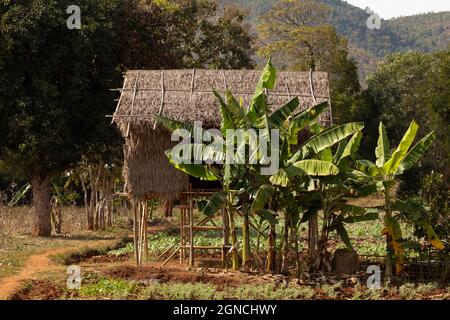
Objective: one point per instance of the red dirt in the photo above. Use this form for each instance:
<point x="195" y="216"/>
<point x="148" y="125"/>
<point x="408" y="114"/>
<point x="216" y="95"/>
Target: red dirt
<point x="39" y="290"/>
<point x="169" y="274"/>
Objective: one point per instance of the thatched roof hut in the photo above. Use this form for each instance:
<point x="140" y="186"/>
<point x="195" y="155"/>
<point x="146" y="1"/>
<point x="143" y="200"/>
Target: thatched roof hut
<point x="186" y="95"/>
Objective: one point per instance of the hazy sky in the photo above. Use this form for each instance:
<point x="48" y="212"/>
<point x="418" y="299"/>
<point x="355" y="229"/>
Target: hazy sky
<point x="395" y="8"/>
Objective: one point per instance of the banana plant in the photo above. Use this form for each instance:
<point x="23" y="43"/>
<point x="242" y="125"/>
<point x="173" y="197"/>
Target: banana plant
<point x="300" y="162"/>
<point x="330" y="195"/>
<point x="384" y="171"/>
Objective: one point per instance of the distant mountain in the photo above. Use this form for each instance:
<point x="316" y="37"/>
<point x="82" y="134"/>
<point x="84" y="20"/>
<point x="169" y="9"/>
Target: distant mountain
<point x="424" y="32"/>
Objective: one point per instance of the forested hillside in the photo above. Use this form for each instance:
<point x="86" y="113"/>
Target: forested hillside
<point x="425" y="32"/>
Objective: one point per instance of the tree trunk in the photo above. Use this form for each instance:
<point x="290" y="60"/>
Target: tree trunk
<point x="245" y="240"/>
<point x="96" y="210"/>
<point x="389" y="248"/>
<point x="271" y="249"/>
<point x="294" y="234"/>
<point x="389" y="253"/>
<point x="313" y="232"/>
<point x="285" y="254"/>
<point x="90" y="222"/>
<point x="60" y="221"/>
<point x="168" y="208"/>
<point x="91" y="210"/>
<point x="41" y="198"/>
<point x="234" y="243"/>
<point x="323" y="257"/>
<point x="110" y="211"/>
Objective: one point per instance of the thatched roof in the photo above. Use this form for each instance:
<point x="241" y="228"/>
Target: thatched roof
<point x="186" y="95"/>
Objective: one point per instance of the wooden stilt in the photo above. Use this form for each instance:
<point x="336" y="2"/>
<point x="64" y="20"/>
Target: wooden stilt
<point x="141" y="232"/>
<point x="191" y="231"/>
<point x="186" y="247"/>
<point x="136" y="230"/>
<point x="182" y="237"/>
<point x="145" y="230"/>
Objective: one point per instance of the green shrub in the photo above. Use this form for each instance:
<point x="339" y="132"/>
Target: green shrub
<point x="110" y="288"/>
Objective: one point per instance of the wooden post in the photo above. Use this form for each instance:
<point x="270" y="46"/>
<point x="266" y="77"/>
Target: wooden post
<point x="145" y="230"/>
<point x="191" y="230"/>
<point x="182" y="231"/>
<point x="135" y="229"/>
<point x="142" y="232"/>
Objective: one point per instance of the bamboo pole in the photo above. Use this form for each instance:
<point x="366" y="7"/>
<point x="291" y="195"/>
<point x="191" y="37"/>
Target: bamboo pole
<point x="132" y="103"/>
<point x="145" y="230"/>
<point x="280" y="94"/>
<point x="135" y="230"/>
<point x="182" y="236"/>
<point x="142" y="227"/>
<point x="140" y="232"/>
<point x="191" y="231"/>
<point x="170" y="257"/>
<point x="167" y="250"/>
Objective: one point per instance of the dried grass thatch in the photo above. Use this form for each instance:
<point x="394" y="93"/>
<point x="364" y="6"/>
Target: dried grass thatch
<point x="186" y="95"/>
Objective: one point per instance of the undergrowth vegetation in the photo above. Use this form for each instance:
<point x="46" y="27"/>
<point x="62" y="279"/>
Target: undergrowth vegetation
<point x="97" y="287"/>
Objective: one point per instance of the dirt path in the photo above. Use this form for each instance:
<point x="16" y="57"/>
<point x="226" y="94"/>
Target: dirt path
<point x="42" y="262"/>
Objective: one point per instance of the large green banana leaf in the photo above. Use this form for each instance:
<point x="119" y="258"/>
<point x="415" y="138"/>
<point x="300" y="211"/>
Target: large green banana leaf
<point x="260" y="118"/>
<point x="196" y="170"/>
<point x="307" y="117"/>
<point x="268" y="215"/>
<point x="262" y="196"/>
<point x="173" y="125"/>
<point x="226" y="120"/>
<point x="368" y="167"/>
<point x="326" y="138"/>
<point x="280" y="178"/>
<point x="383" y="148"/>
<point x="19" y="195"/>
<point x="215" y="203"/>
<point x="266" y="81"/>
<point x="416" y="153"/>
<point x="236" y="112"/>
<point x="391" y="166"/>
<point x="343" y="234"/>
<point x="349" y="149"/>
<point x="431" y="234"/>
<point x="310" y="167"/>
<point x="282" y="114"/>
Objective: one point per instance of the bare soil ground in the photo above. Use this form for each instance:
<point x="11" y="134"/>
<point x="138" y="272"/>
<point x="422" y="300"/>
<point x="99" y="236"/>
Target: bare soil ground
<point x="177" y="273"/>
<point x="42" y="262"/>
